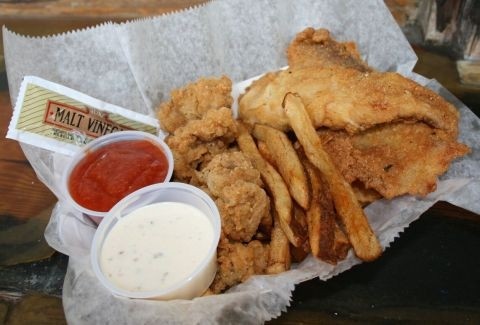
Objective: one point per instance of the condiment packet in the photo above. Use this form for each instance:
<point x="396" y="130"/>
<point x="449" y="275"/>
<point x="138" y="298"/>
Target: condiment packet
<point x="60" y="119"/>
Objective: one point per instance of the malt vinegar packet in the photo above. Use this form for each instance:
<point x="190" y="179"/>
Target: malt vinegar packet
<point x="60" y="119"/>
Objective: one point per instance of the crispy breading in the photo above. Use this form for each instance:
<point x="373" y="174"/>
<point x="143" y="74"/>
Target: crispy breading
<point x="237" y="262"/>
<point x="193" y="101"/>
<point x="198" y="141"/>
<point x="237" y="189"/>
<point x="341" y="94"/>
<point x="393" y="159"/>
<point x="316" y="48"/>
<point x="346" y="99"/>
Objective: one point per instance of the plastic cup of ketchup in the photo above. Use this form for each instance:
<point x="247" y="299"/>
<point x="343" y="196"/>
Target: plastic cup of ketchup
<point x="111" y="167"/>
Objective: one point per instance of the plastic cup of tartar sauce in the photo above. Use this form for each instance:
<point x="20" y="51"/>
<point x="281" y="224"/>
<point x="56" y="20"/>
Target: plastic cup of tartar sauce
<point x="112" y="166"/>
<point x="159" y="242"/>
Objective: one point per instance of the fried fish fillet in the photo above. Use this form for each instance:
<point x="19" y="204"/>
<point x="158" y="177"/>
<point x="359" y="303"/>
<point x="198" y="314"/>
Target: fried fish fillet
<point x="393" y="159"/>
<point x="387" y="134"/>
<point x="346" y="99"/>
<point x="316" y="48"/>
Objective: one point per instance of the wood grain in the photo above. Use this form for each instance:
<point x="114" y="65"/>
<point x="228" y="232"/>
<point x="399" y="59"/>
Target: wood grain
<point x="23" y="195"/>
<point x="93" y="8"/>
<point x="37" y="309"/>
<point x="11" y="150"/>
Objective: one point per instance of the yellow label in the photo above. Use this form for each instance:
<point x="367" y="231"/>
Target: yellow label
<point x="57" y="116"/>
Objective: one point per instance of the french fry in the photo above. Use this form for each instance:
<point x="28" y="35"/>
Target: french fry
<point x="300" y="220"/>
<point x="281" y="197"/>
<point x="321" y="215"/>
<point x="280" y="258"/>
<point x="357" y="228"/>
<point x="265" y="152"/>
<point x="298" y="254"/>
<point x="314" y="213"/>
<point x="341" y="245"/>
<point x="287" y="162"/>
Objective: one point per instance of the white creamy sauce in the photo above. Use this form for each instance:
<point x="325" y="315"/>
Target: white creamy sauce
<point x="156" y="246"/>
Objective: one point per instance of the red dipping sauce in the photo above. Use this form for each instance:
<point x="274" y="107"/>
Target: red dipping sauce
<point x="108" y="174"/>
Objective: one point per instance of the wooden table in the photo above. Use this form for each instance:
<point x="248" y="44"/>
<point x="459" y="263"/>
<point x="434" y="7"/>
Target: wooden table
<point x="429" y="274"/>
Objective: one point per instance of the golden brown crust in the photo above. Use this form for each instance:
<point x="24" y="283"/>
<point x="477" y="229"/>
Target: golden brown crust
<point x="236" y="187"/>
<point x="198" y="141"/>
<point x="393" y="159"/>
<point x="316" y="48"/>
<point x="346" y="99"/>
<point x="193" y="101"/>
<point x="237" y="262"/>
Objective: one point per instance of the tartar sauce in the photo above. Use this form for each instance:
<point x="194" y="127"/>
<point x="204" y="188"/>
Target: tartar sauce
<point x="156" y="246"/>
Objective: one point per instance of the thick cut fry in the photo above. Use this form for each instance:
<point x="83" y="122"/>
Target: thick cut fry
<point x="265" y="152"/>
<point x="341" y="245"/>
<point x="286" y="161"/>
<point x="298" y="254"/>
<point x="275" y="184"/>
<point x="358" y="231"/>
<point x="279" y="259"/>
<point x="313" y="214"/>
<point x="322" y="218"/>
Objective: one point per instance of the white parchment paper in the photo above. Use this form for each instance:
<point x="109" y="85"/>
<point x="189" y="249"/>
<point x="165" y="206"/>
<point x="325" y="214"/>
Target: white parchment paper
<point x="135" y="65"/>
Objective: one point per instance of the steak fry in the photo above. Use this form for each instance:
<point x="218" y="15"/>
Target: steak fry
<point x="274" y="182"/>
<point x="279" y="258"/>
<point x="287" y="162"/>
<point x="359" y="233"/>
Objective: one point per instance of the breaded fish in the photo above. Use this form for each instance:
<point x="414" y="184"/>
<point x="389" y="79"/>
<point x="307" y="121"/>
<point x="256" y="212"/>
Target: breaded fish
<point x="393" y="159"/>
<point x="387" y="134"/>
<point x="316" y="48"/>
<point x="346" y="99"/>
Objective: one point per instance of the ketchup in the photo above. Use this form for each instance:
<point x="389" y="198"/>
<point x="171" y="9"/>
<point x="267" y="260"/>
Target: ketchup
<point x="105" y="176"/>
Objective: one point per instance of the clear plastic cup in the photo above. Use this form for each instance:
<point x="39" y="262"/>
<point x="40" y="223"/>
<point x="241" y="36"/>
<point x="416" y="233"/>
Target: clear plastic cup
<point x="97" y="216"/>
<point x="200" y="278"/>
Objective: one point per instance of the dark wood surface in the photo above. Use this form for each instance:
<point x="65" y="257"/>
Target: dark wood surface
<point x="430" y="274"/>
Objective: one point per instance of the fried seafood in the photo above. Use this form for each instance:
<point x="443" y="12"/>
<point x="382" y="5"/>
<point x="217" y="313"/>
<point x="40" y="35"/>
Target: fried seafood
<point x="237" y="262"/>
<point x="346" y="99"/>
<point x="316" y="48"/>
<point x="393" y="159"/>
<point x="237" y="190"/>
<point x="340" y="91"/>
<point x="387" y="134"/>
<point x="198" y="141"/>
<point x="314" y="144"/>
<point x="193" y="101"/>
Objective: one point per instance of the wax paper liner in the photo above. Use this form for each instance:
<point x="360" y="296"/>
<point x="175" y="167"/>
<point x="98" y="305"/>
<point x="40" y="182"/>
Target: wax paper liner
<point x="135" y="65"/>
